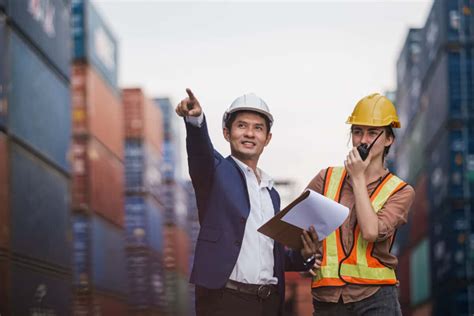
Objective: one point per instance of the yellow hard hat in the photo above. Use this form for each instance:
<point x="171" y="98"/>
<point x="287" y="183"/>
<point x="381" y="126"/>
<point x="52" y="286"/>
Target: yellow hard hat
<point x="374" y="110"/>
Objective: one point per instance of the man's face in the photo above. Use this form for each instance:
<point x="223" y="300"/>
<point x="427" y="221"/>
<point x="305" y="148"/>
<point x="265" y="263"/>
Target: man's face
<point x="248" y="136"/>
<point x="367" y="134"/>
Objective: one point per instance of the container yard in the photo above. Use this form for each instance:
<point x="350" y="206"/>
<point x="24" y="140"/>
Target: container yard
<point x="98" y="215"/>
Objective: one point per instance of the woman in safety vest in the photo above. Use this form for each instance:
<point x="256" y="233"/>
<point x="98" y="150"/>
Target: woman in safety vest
<point x="355" y="271"/>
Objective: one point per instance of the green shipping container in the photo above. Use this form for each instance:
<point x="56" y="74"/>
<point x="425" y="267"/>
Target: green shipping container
<point x="420" y="283"/>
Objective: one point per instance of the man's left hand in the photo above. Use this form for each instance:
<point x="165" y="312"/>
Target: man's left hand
<point x="311" y="243"/>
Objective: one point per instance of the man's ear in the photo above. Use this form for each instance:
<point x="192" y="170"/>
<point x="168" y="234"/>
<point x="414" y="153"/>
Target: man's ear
<point x="226" y="133"/>
<point x="269" y="137"/>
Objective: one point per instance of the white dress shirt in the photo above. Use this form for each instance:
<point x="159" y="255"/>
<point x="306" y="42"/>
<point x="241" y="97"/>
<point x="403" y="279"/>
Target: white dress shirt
<point x="255" y="262"/>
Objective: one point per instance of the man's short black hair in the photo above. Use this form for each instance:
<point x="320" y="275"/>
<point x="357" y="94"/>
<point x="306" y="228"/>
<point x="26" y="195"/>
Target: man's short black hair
<point x="231" y="118"/>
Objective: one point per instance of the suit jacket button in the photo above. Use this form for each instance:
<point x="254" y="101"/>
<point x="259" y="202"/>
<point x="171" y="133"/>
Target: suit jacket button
<point x="242" y="220"/>
<point x="237" y="243"/>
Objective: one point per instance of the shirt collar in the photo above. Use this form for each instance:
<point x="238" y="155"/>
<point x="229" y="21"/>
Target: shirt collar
<point x="265" y="179"/>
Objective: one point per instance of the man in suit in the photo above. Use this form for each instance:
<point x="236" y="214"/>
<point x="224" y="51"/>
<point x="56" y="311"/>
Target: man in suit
<point x="237" y="270"/>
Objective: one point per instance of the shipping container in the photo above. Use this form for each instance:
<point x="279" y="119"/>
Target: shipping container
<point x="142" y="118"/>
<point x="2" y="5"/>
<point x="402" y="237"/>
<point x="96" y="110"/>
<point x="446" y="165"/>
<point x="170" y="123"/>
<point x="28" y="290"/>
<point x="459" y="302"/>
<point x="177" y="289"/>
<point x="403" y="276"/>
<point x="449" y="23"/>
<point x="144" y="220"/>
<point x="105" y="305"/>
<point x="99" y="304"/>
<point x="451" y="254"/>
<point x="176" y="249"/>
<point x="4" y="193"/>
<point x="94" y="41"/>
<point x="4" y="62"/>
<point x="408" y="81"/>
<point x="423" y="310"/>
<point x="419" y="210"/>
<point x="47" y="25"/>
<point x="98" y="183"/>
<point x="146" y="279"/>
<point x="45" y="97"/>
<point x="142" y="168"/>
<point x="420" y="283"/>
<point x="99" y="255"/>
<point x="39" y="209"/>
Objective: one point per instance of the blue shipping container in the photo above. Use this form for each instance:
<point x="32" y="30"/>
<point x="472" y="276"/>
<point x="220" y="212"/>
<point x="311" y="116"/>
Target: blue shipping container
<point x="143" y="222"/>
<point x="145" y="272"/>
<point x="99" y="255"/>
<point x="46" y="23"/>
<point x="39" y="293"/>
<point x="39" y="106"/>
<point x="108" y="256"/>
<point x="39" y="209"/>
<point x="142" y="168"/>
<point x="94" y="40"/>
<point x="449" y="21"/>
<point x="81" y="253"/>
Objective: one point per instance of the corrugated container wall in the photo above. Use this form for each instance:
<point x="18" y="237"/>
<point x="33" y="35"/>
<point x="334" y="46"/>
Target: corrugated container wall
<point x="47" y="25"/>
<point x="403" y="276"/>
<point x="94" y="41"/>
<point x="146" y="280"/>
<point x="98" y="180"/>
<point x="45" y="97"/>
<point x="40" y="206"/>
<point x="408" y="81"/>
<point x="4" y="193"/>
<point x="419" y="210"/>
<point x="143" y="118"/>
<point x="143" y="222"/>
<point x="27" y="291"/>
<point x="142" y="168"/>
<point x="420" y="273"/>
<point x="99" y="255"/>
<point x="96" y="109"/>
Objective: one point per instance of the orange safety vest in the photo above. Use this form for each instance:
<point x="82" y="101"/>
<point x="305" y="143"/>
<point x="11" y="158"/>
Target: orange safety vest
<point x="359" y="267"/>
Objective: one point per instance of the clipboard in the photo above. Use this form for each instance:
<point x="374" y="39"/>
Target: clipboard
<point x="283" y="232"/>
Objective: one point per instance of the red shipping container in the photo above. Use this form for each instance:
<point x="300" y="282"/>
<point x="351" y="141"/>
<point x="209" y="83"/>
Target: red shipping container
<point x="4" y="194"/>
<point x="423" y="310"/>
<point x="298" y="291"/>
<point x="176" y="250"/>
<point x="142" y="118"/>
<point x="98" y="180"/>
<point x="403" y="275"/>
<point x="99" y="304"/>
<point x="96" y="109"/>
<point x="419" y="210"/>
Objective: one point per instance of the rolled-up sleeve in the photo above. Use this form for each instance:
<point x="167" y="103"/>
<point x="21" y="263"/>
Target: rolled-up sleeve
<point x="394" y="213"/>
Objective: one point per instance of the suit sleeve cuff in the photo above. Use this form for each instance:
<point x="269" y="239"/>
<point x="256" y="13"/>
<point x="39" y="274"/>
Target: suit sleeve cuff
<point x="195" y="121"/>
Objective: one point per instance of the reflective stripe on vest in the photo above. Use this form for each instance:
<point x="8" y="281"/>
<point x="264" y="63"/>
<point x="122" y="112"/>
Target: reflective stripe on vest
<point x="360" y="267"/>
<point x="353" y="269"/>
<point x="333" y="253"/>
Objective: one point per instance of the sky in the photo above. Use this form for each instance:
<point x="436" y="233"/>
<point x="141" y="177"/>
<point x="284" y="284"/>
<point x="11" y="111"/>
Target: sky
<point x="310" y="61"/>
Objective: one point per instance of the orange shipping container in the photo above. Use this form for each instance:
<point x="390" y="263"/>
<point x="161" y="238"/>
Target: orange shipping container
<point x="176" y="250"/>
<point x="96" y="109"/>
<point x="4" y="202"/>
<point x="98" y="180"/>
<point x="142" y="117"/>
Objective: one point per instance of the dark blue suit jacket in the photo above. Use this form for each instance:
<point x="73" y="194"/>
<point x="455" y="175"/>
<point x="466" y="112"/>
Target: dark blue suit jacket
<point x="223" y="204"/>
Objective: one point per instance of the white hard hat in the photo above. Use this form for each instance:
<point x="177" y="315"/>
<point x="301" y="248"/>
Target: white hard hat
<point x="248" y="102"/>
